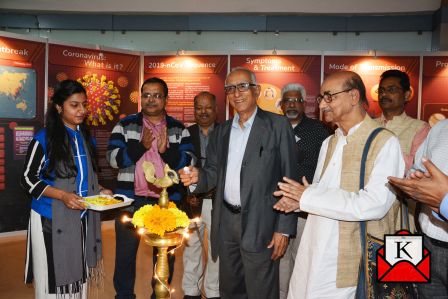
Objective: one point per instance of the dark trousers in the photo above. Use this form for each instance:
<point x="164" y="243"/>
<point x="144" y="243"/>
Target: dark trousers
<point x="438" y="287"/>
<point x="127" y="242"/>
<point x="243" y="274"/>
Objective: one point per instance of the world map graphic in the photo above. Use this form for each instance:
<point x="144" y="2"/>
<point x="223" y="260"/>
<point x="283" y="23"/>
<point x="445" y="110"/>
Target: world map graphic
<point x="17" y="92"/>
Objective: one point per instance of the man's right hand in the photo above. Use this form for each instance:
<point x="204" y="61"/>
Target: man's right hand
<point x="190" y="176"/>
<point x="147" y="138"/>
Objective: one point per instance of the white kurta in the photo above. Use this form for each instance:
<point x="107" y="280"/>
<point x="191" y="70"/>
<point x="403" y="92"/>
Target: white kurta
<point x="314" y="274"/>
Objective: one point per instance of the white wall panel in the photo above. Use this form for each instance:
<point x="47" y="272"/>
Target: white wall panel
<point x="231" y="41"/>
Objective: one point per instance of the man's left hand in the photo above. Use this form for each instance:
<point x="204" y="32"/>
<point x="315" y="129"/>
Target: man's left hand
<point x="279" y="242"/>
<point x="429" y="187"/>
<point x="291" y="192"/>
<point x="162" y="141"/>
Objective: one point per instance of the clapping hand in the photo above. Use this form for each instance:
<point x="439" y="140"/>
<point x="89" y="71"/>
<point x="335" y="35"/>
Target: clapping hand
<point x="290" y="192"/>
<point x="427" y="187"/>
<point x="147" y="138"/>
<point x="162" y="141"/>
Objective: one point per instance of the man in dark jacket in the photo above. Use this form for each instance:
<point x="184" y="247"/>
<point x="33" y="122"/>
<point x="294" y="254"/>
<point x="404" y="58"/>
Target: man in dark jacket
<point x="200" y="205"/>
<point x="245" y="157"/>
<point x="148" y="135"/>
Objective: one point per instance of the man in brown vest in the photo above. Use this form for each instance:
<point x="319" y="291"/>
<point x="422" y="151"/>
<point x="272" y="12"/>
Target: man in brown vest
<point x="328" y="259"/>
<point x="394" y="92"/>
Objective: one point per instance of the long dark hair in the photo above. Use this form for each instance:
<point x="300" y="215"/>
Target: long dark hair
<point x="59" y="151"/>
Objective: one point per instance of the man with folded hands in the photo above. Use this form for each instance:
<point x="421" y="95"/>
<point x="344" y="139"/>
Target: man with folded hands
<point x="328" y="259"/>
<point x="150" y="135"/>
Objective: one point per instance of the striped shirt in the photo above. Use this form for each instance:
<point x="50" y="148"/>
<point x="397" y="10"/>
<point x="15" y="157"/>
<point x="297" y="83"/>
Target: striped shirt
<point x="124" y="150"/>
<point x="435" y="148"/>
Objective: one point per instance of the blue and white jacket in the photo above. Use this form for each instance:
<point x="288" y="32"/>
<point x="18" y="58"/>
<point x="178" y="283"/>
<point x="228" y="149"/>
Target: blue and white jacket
<point x="34" y="179"/>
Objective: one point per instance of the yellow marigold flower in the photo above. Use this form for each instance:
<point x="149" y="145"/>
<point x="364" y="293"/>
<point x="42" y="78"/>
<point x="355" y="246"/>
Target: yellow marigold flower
<point x="181" y="218"/>
<point x="159" y="221"/>
<point x="138" y="218"/>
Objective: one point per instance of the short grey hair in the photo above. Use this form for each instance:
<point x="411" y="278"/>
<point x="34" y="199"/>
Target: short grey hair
<point x="253" y="78"/>
<point x="294" y="87"/>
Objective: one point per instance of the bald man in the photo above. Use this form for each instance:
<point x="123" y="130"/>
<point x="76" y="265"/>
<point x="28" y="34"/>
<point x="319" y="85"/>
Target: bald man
<point x="328" y="259"/>
<point x="246" y="157"/>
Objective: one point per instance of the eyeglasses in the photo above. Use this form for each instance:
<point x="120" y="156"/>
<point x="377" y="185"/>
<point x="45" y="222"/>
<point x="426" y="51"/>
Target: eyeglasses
<point x="242" y="87"/>
<point x="328" y="97"/>
<point x="156" y="96"/>
<point x="390" y="89"/>
<point x="292" y="100"/>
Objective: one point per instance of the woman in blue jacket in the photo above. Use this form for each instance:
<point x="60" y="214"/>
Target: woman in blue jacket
<point x="64" y="243"/>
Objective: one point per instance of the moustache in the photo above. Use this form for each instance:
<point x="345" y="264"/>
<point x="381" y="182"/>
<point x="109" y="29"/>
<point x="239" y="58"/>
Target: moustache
<point x="150" y="105"/>
<point x="292" y="114"/>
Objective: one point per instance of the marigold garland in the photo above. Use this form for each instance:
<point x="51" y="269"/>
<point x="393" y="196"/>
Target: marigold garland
<point x="159" y="221"/>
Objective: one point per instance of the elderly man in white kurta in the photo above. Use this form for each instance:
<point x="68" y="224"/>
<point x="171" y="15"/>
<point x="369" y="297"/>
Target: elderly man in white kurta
<point x="327" y="262"/>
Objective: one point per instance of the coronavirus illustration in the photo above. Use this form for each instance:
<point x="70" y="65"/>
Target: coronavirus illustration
<point x="103" y="99"/>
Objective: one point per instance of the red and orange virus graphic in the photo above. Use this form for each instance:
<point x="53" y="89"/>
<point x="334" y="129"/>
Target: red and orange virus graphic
<point x="134" y="96"/>
<point x="61" y="76"/>
<point x="122" y="81"/>
<point x="103" y="99"/>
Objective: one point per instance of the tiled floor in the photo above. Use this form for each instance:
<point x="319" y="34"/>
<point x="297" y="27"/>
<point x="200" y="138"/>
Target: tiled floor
<point x="12" y="259"/>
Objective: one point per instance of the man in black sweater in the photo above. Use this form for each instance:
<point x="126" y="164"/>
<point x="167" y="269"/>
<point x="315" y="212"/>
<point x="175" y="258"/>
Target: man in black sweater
<point x="309" y="134"/>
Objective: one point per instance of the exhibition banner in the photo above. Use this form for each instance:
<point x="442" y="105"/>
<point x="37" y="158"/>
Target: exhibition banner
<point x="434" y="105"/>
<point x="187" y="76"/>
<point x="22" y="97"/>
<point x="111" y="80"/>
<point x="275" y="71"/>
<point x="370" y="70"/>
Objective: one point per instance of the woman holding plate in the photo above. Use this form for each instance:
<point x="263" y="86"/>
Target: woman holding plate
<point x="64" y="248"/>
